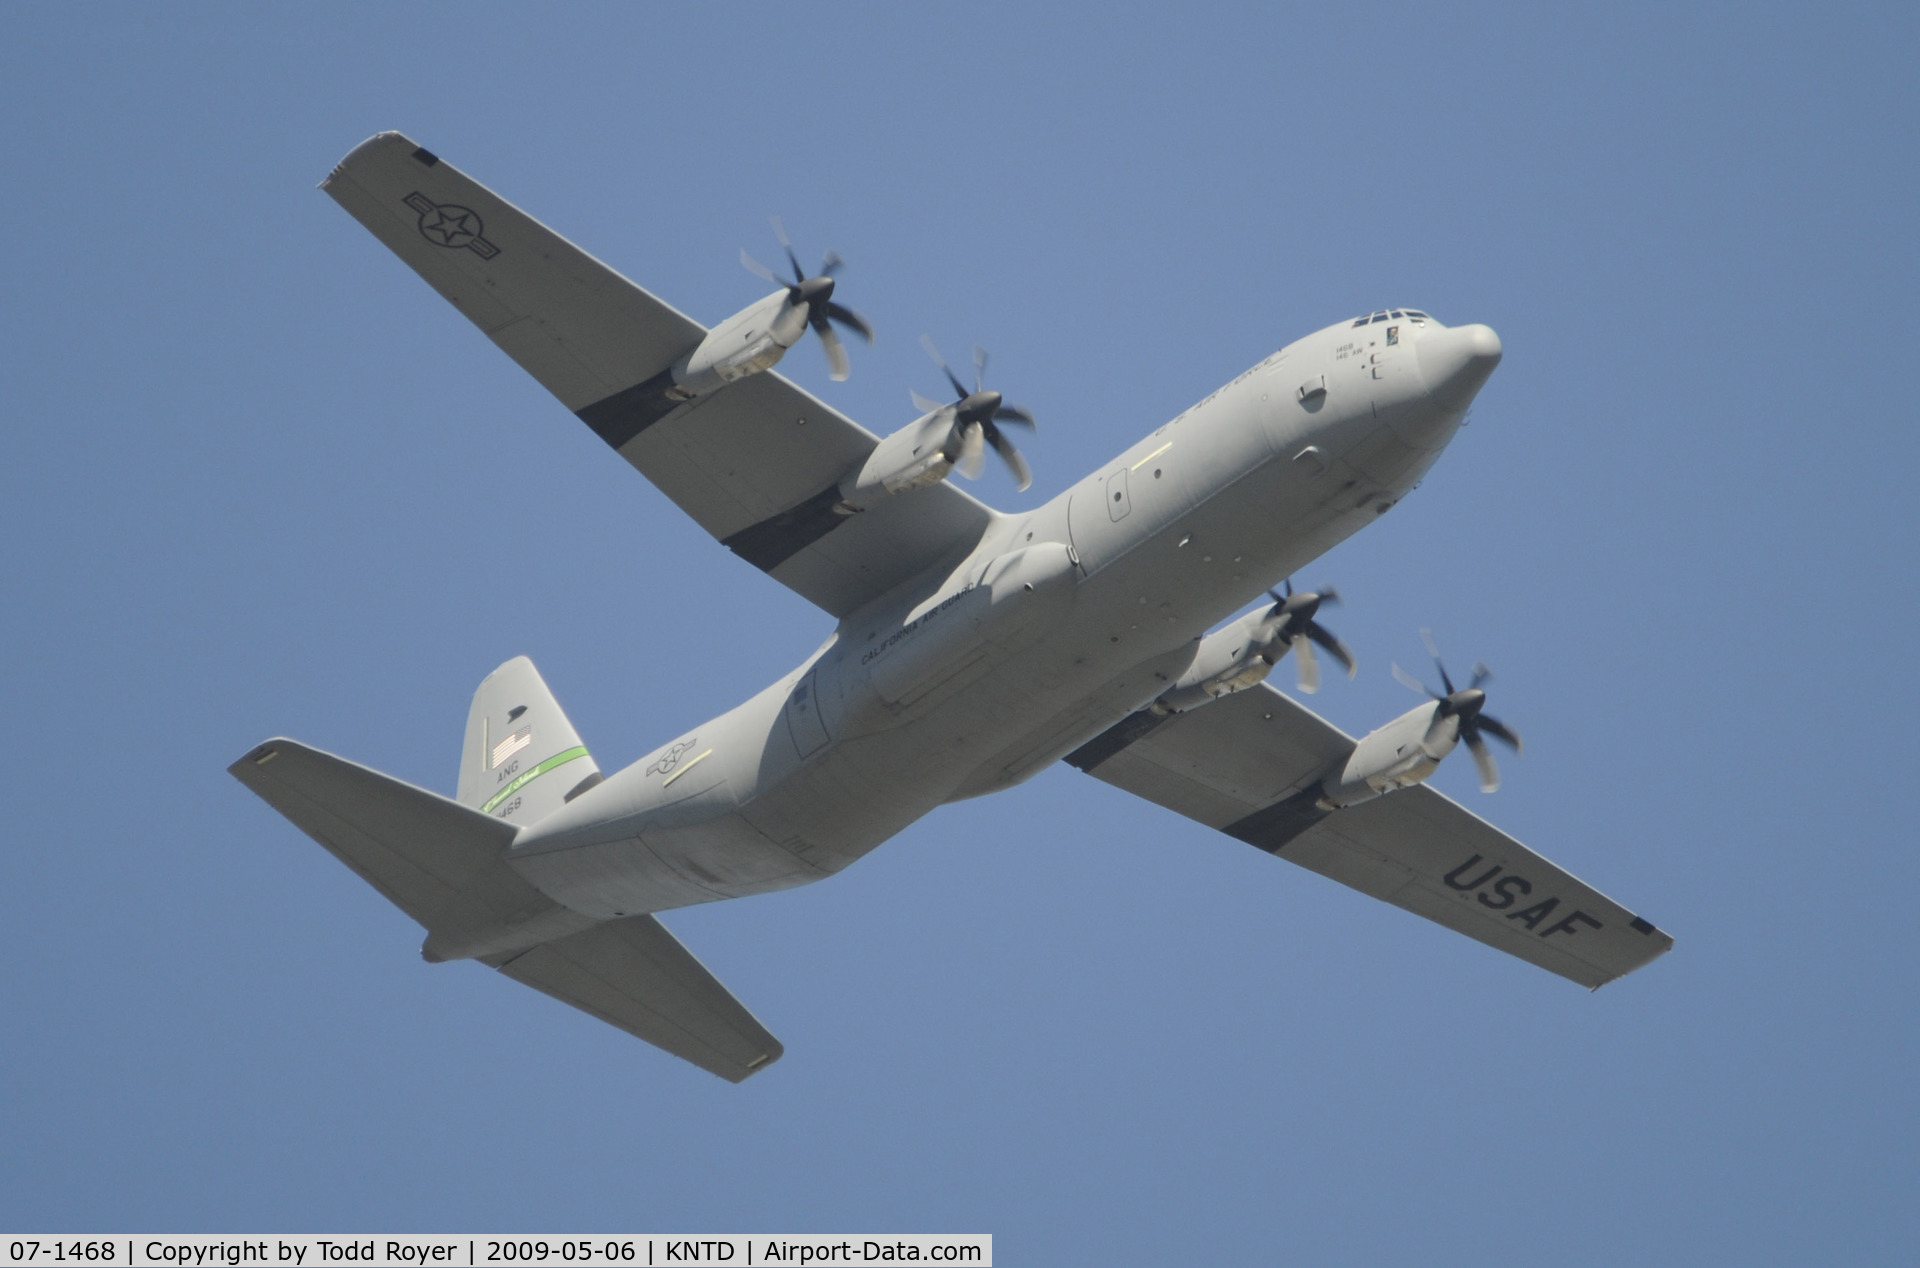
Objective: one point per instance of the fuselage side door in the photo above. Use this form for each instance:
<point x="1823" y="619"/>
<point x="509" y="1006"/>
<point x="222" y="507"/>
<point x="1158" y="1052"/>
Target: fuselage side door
<point x="1099" y="534"/>
<point x="1119" y="502"/>
<point x="803" y="716"/>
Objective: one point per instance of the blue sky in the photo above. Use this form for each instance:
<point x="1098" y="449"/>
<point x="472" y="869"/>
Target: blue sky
<point x="260" y="480"/>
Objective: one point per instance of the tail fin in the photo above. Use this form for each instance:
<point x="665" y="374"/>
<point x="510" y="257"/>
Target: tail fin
<point x="522" y="759"/>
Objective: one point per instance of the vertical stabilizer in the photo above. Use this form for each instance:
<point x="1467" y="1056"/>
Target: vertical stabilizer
<point x="522" y="759"/>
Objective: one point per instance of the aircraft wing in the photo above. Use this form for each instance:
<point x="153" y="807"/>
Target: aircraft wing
<point x="757" y="463"/>
<point x="1249" y="765"/>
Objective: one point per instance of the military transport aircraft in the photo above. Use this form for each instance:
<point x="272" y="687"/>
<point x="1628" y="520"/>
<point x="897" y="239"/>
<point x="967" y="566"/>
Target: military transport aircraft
<point x="971" y="649"/>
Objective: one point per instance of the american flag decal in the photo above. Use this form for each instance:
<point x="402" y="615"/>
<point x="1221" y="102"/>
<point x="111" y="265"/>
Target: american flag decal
<point x="509" y="746"/>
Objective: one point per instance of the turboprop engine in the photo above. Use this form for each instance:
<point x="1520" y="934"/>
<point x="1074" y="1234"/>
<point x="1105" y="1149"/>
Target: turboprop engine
<point x="1411" y="747"/>
<point x="944" y="439"/>
<point x="1242" y="654"/>
<point x="756" y="337"/>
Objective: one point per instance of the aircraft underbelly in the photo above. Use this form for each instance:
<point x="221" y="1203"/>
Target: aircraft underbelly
<point x="995" y="682"/>
<point x="657" y="867"/>
<point x="1145" y="620"/>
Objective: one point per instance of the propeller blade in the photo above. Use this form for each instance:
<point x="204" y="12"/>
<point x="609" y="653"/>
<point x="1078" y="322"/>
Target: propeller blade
<point x="780" y="232"/>
<point x="924" y="405"/>
<point x="1426" y="636"/>
<point x="831" y="264"/>
<point x="1489" y="773"/>
<point x="1329" y="597"/>
<point x="1498" y="730"/>
<point x="758" y="269"/>
<point x="837" y="368"/>
<point x="1411" y="683"/>
<point x="1309" y="667"/>
<point x="1331" y="641"/>
<point x="1481" y="676"/>
<point x="979" y="368"/>
<point x="851" y="320"/>
<point x="1022" y="473"/>
<point x="1016" y="414"/>
<point x="960" y="392"/>
<point x="1266" y="631"/>
<point x="973" y="453"/>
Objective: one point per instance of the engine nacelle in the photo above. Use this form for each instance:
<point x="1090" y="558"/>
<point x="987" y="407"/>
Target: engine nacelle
<point x="752" y="340"/>
<point x="1230" y="659"/>
<point x="1398" y="755"/>
<point x="917" y="455"/>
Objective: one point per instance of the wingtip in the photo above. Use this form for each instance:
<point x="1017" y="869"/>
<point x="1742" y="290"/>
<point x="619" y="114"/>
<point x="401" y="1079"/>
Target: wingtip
<point x="773" y="1053"/>
<point x="259" y="755"/>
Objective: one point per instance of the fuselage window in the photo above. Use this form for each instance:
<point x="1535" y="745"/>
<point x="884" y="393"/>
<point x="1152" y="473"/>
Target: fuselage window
<point x="1379" y="317"/>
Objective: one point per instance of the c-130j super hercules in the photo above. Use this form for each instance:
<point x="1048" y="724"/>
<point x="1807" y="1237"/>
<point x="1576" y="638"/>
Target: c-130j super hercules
<point x="1077" y="631"/>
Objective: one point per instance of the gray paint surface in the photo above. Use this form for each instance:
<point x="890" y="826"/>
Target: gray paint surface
<point x="961" y="630"/>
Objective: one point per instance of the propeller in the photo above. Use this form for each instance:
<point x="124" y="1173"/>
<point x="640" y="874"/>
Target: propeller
<point x="1466" y="704"/>
<point x="816" y="295"/>
<point x="975" y="418"/>
<point x="1292" y="621"/>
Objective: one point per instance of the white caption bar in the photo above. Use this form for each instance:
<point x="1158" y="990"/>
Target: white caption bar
<point x="467" y="1250"/>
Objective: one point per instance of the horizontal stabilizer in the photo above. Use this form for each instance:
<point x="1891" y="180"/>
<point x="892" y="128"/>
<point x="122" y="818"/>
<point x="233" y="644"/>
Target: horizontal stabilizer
<point x="444" y="864"/>
<point x="634" y="974"/>
<point x="438" y="861"/>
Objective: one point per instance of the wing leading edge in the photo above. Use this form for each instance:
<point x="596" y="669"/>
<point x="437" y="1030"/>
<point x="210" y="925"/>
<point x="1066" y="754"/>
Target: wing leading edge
<point x="756" y="463"/>
<point x="1248" y="765"/>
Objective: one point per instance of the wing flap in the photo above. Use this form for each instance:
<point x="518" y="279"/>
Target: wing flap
<point x="1248" y="764"/>
<point x="635" y="975"/>
<point x="1218" y="763"/>
<point x="762" y="440"/>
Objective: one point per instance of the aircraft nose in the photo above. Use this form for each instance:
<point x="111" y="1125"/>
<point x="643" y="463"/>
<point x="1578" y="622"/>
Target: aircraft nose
<point x="1456" y="361"/>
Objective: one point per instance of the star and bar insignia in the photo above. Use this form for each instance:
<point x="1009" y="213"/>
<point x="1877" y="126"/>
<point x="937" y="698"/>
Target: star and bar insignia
<point x="451" y="225"/>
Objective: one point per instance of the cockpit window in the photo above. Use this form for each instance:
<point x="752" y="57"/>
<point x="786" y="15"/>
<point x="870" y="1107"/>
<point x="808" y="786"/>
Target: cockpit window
<point x="1391" y="314"/>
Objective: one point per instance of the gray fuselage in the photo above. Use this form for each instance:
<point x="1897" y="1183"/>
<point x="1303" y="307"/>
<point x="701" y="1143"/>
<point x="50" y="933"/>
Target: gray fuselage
<point x="1054" y="625"/>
